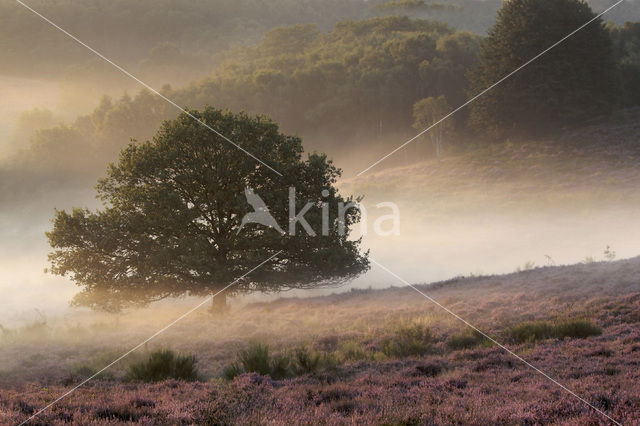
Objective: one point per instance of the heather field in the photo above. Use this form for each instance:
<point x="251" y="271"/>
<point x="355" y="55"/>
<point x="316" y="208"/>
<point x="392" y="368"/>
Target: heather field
<point x="369" y="356"/>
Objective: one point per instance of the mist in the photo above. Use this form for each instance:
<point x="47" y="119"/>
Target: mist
<point x="131" y="236"/>
<point x="445" y="231"/>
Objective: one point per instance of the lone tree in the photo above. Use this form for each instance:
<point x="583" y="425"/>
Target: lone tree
<point x="570" y="83"/>
<point x="173" y="210"/>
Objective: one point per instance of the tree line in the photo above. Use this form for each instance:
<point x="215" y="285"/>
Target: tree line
<point x="373" y="78"/>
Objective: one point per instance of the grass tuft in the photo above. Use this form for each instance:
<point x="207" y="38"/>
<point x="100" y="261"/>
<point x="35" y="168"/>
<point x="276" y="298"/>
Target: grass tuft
<point x="408" y="340"/>
<point x="307" y="361"/>
<point x="162" y="365"/>
<point x="541" y="330"/>
<point x="256" y="359"/>
<point x="467" y="339"/>
<point x="579" y="329"/>
<point x="529" y="332"/>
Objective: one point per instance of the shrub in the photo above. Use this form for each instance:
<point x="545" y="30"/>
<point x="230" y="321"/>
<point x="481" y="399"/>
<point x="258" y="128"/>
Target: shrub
<point x="280" y="367"/>
<point x="307" y="361"/>
<point x="352" y="351"/>
<point x="231" y="371"/>
<point x="329" y="362"/>
<point x="255" y="359"/>
<point x="164" y="364"/>
<point x="541" y="330"/>
<point x="532" y="331"/>
<point x="408" y="340"/>
<point x="577" y="328"/>
<point x="466" y="339"/>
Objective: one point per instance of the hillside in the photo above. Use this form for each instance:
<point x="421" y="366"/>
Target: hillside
<point x="387" y="356"/>
<point x="594" y="162"/>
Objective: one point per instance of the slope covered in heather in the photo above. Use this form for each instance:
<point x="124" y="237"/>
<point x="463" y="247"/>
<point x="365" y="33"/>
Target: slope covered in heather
<point x="386" y="356"/>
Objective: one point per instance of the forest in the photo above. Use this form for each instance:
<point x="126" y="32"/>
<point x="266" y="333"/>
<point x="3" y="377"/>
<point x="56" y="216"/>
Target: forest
<point x="307" y="77"/>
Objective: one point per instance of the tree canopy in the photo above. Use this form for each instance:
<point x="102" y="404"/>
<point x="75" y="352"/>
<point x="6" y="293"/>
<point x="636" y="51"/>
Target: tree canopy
<point x="368" y="70"/>
<point x="626" y="42"/>
<point x="355" y="83"/>
<point x="307" y="80"/>
<point x="171" y="222"/>
<point x="570" y="83"/>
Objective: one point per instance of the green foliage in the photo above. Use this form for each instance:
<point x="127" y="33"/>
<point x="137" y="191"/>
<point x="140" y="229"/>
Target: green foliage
<point x="408" y="340"/>
<point x="232" y="370"/>
<point x="201" y="29"/>
<point x="163" y="365"/>
<point x="562" y="87"/>
<point x="466" y="339"/>
<point x="307" y="361"/>
<point x="579" y="329"/>
<point x="256" y="359"/>
<point x="171" y="222"/>
<point x="329" y="361"/>
<point x="530" y="332"/>
<point x="414" y="5"/>
<point x="372" y="70"/>
<point x="280" y="366"/>
<point x="352" y="351"/>
<point x="301" y="76"/>
<point x="626" y="44"/>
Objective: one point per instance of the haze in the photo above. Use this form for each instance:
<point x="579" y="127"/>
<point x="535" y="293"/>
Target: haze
<point x="451" y="226"/>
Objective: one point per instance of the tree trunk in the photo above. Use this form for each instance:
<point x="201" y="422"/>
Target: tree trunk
<point x="219" y="303"/>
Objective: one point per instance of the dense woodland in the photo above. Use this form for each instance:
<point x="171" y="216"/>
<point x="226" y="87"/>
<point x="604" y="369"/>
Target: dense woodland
<point x="181" y="35"/>
<point x="190" y="33"/>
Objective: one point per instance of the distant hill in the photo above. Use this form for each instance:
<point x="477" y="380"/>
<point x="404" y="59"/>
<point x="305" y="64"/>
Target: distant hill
<point x="596" y="163"/>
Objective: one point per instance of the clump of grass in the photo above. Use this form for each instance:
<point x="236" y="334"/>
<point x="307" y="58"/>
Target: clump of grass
<point x="466" y="339"/>
<point x="232" y="370"/>
<point x="280" y="366"/>
<point x="579" y="329"/>
<point x="162" y="365"/>
<point x="532" y="332"/>
<point x="540" y="330"/>
<point x="307" y="361"/>
<point x="408" y="340"/>
<point x="352" y="351"/>
<point x="256" y="359"/>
